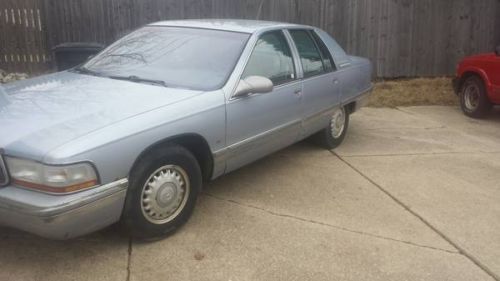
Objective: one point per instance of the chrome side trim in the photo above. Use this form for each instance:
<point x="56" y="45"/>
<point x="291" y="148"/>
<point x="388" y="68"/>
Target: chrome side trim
<point x="345" y="64"/>
<point x="262" y="135"/>
<point x="327" y="113"/>
<point x="222" y="155"/>
<point x="361" y="95"/>
<point x="219" y="157"/>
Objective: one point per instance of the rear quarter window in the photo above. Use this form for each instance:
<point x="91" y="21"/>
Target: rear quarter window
<point x="325" y="53"/>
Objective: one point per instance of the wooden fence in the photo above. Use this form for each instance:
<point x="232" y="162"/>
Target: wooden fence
<point x="403" y="38"/>
<point x="23" y="36"/>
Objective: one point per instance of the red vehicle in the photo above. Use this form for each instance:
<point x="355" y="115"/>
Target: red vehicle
<point x="478" y="83"/>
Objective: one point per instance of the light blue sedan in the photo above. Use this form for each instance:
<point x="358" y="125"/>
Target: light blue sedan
<point x="132" y="134"/>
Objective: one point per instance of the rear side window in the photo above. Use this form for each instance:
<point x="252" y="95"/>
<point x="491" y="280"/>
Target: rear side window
<point x="271" y="58"/>
<point x="309" y="54"/>
<point x="314" y="55"/>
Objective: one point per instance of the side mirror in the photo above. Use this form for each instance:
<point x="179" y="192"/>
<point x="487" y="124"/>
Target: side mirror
<point x="497" y="50"/>
<point x="254" y="85"/>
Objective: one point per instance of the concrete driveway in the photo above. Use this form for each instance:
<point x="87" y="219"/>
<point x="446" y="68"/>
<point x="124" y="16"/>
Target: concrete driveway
<point x="413" y="194"/>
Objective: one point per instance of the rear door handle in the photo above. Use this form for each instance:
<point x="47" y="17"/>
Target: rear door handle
<point x="335" y="81"/>
<point x="298" y="92"/>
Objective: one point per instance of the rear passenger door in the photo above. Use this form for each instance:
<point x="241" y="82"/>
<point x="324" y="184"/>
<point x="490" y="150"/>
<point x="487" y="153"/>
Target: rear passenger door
<point x="320" y="84"/>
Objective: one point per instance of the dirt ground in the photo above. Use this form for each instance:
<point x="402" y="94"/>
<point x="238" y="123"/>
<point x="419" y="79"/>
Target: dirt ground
<point x="411" y="92"/>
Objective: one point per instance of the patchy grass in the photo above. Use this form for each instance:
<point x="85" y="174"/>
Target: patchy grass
<point x="410" y="92"/>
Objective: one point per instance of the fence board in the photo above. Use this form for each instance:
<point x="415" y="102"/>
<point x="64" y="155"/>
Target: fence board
<point x="401" y="37"/>
<point x="22" y="37"/>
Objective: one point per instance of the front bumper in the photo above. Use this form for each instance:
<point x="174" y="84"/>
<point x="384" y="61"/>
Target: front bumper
<point x="62" y="217"/>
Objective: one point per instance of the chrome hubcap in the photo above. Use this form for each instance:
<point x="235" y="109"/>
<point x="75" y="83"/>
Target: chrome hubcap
<point x="165" y="194"/>
<point x="471" y="97"/>
<point x="337" y="123"/>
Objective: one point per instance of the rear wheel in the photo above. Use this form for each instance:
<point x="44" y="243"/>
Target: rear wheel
<point x="332" y="136"/>
<point x="162" y="193"/>
<point x="473" y="98"/>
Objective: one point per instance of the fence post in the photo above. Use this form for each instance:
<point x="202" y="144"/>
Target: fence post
<point x="46" y="10"/>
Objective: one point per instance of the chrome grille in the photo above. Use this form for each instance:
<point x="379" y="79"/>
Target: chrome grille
<point x="3" y="173"/>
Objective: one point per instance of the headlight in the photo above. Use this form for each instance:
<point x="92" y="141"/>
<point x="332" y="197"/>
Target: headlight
<point x="56" y="179"/>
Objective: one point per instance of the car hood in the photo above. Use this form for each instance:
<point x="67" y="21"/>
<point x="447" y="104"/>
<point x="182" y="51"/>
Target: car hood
<point x="40" y="114"/>
<point x="482" y="57"/>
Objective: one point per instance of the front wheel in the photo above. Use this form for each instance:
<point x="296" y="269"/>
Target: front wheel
<point x="332" y="136"/>
<point x="473" y="98"/>
<point x="162" y="194"/>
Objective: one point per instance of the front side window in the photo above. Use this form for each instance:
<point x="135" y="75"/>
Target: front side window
<point x="312" y="62"/>
<point x="272" y="59"/>
<point x="200" y="59"/>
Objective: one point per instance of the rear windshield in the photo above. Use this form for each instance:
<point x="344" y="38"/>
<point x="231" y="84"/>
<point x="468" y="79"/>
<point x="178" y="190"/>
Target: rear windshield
<point x="199" y="59"/>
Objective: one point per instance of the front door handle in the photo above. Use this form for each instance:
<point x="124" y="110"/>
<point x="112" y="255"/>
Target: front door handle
<point x="335" y="81"/>
<point x="298" y="92"/>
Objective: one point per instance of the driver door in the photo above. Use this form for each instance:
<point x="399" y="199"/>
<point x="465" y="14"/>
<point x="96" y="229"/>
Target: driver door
<point x="259" y="124"/>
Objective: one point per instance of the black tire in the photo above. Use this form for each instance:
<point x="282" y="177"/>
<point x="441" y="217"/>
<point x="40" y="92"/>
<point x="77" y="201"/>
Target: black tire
<point x="326" y="138"/>
<point x="135" y="216"/>
<point x="473" y="98"/>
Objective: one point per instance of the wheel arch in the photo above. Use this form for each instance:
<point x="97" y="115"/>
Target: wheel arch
<point x="193" y="142"/>
<point x="469" y="72"/>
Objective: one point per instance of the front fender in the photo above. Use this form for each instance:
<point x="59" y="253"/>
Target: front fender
<point x="465" y="71"/>
<point x="113" y="150"/>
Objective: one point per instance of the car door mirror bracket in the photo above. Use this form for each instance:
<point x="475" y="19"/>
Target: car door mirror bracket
<point x="253" y="85"/>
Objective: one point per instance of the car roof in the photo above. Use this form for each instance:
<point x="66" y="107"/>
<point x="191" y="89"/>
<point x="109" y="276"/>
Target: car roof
<point x="235" y="25"/>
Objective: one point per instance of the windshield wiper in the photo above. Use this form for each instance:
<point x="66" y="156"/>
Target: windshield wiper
<point x="134" y="56"/>
<point x="137" y="79"/>
<point x="84" y="70"/>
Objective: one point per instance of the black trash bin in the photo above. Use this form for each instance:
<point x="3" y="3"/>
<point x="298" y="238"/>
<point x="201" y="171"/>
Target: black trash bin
<point x="68" y="55"/>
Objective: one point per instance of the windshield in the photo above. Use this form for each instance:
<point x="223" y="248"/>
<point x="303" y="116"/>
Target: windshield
<point x="199" y="59"/>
